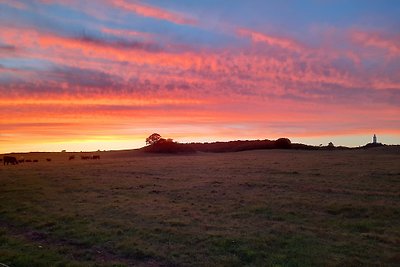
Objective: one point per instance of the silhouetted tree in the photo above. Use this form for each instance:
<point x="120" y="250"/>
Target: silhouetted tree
<point x="283" y="143"/>
<point x="152" y="139"/>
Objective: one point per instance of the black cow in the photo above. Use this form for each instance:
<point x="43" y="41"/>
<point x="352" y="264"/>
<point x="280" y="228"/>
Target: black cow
<point x="96" y="157"/>
<point x="9" y="160"/>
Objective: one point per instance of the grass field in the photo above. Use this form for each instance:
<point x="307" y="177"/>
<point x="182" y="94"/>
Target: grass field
<point x="254" y="208"/>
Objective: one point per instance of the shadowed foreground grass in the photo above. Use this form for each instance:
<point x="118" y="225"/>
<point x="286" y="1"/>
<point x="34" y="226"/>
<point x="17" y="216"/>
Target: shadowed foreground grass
<point x="255" y="208"/>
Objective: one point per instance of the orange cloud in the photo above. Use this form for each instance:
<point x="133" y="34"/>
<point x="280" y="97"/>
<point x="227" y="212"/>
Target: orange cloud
<point x="72" y="119"/>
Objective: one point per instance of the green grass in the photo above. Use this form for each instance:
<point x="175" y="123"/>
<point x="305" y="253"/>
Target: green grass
<point x="257" y="208"/>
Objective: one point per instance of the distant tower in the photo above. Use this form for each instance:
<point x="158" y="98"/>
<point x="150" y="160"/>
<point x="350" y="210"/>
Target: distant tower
<point x="374" y="139"/>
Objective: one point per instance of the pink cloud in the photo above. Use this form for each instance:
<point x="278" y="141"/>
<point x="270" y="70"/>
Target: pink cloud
<point x="14" y="4"/>
<point x="378" y="40"/>
<point x="126" y="33"/>
<point x="232" y="70"/>
<point x="153" y="12"/>
<point x="258" y="37"/>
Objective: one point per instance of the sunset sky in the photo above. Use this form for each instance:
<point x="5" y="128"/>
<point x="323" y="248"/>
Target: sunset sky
<point x="105" y="74"/>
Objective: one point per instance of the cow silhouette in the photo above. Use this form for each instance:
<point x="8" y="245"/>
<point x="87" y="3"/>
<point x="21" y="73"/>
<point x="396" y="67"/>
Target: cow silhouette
<point x="96" y="157"/>
<point x="71" y="157"/>
<point x="9" y="160"/>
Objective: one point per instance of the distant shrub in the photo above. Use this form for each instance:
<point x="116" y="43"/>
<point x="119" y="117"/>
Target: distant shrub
<point x="371" y="145"/>
<point x="164" y="146"/>
<point x="169" y="146"/>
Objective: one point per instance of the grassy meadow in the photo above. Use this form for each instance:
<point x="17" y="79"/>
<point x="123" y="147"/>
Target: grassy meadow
<point x="252" y="208"/>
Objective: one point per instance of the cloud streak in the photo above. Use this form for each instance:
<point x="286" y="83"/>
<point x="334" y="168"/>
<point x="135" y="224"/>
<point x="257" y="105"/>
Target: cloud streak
<point x="14" y="4"/>
<point x="152" y="12"/>
<point x="378" y="40"/>
<point x="258" y="37"/>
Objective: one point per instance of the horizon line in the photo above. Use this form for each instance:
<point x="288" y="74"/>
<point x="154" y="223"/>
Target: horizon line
<point x="188" y="143"/>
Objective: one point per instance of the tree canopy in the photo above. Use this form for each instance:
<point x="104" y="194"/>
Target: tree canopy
<point x="153" y="138"/>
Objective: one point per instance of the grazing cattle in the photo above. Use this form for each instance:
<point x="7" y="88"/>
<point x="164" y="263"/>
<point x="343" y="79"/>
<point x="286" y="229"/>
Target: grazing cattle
<point x="96" y="157"/>
<point x="28" y="160"/>
<point x="9" y="160"/>
<point x="21" y="160"/>
<point x="86" y="157"/>
<point x="71" y="157"/>
<point x="1" y="160"/>
<point x="35" y="160"/>
<point x="48" y="160"/>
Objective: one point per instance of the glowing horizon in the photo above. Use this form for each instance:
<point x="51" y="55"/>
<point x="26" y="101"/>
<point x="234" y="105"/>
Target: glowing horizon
<point x="82" y="76"/>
